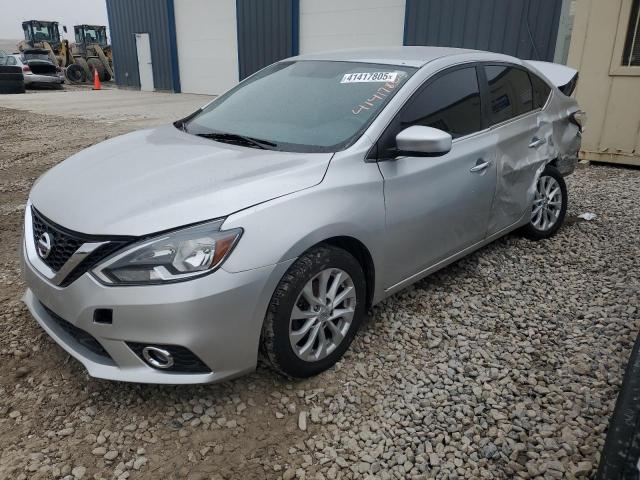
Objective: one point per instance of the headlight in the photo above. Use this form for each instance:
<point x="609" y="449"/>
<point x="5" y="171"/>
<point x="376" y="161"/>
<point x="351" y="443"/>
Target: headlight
<point x="170" y="257"/>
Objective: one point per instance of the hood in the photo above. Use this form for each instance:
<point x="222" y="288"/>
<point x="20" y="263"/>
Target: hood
<point x="162" y="178"/>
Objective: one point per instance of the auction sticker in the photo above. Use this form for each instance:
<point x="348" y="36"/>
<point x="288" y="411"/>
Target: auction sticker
<point x="369" y="77"/>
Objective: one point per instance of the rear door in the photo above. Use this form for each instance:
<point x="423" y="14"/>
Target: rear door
<point x="437" y="206"/>
<point x="522" y="139"/>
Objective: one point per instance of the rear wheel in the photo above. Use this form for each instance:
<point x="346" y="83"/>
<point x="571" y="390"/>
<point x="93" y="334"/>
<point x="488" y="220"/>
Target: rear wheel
<point x="96" y="65"/>
<point x="314" y="313"/>
<point x="549" y="205"/>
<point x="85" y="67"/>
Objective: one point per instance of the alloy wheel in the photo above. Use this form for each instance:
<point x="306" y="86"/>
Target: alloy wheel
<point x="547" y="203"/>
<point x="322" y="314"/>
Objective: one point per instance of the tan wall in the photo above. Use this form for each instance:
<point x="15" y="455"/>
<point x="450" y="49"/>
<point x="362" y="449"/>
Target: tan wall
<point x="608" y="92"/>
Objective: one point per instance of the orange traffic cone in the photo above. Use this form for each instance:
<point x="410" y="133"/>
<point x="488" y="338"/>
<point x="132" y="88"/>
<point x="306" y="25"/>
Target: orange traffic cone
<point x="96" y="80"/>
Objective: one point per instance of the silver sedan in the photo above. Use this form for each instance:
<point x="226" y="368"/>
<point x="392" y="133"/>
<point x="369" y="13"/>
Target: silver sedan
<point x="272" y="218"/>
<point x="39" y="71"/>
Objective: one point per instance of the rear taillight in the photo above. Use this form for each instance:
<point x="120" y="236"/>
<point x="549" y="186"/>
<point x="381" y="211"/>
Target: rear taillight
<point x="26" y="68"/>
<point x="579" y="119"/>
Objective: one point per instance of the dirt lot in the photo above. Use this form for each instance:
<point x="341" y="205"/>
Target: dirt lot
<point x="506" y="364"/>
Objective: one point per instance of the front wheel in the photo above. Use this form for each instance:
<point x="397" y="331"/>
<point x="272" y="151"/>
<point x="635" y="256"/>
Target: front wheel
<point x="314" y="313"/>
<point x="549" y="205"/>
<point x="75" y="74"/>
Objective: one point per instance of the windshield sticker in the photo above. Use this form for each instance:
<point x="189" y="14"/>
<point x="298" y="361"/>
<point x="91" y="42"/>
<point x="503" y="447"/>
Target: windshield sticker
<point x="378" y="96"/>
<point x="369" y="77"/>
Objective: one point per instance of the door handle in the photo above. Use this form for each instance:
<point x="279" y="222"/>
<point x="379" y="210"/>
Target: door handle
<point x="480" y="165"/>
<point x="536" y="142"/>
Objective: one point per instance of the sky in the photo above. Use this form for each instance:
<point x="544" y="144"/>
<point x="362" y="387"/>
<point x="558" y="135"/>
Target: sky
<point x="66" y="12"/>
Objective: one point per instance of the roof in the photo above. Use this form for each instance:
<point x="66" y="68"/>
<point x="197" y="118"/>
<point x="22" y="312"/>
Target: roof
<point x="410" y="56"/>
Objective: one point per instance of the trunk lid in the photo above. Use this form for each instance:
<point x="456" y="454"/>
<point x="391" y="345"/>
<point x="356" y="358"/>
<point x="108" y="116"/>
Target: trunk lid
<point x="563" y="77"/>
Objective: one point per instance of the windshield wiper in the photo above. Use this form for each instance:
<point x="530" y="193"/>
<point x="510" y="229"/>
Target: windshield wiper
<point x="238" y="139"/>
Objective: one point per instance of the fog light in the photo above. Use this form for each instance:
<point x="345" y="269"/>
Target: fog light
<point x="157" y="357"/>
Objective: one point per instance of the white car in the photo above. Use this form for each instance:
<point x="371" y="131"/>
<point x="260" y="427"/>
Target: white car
<point x="272" y="218"/>
<point x="38" y="69"/>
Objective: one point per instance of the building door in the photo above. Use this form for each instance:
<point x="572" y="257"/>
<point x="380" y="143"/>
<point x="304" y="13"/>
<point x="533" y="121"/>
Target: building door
<point x="145" y="66"/>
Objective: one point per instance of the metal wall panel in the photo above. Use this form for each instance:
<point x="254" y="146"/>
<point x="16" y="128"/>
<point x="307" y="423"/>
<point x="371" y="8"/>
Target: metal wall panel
<point x="128" y="17"/>
<point x="267" y="32"/>
<point x="493" y="25"/>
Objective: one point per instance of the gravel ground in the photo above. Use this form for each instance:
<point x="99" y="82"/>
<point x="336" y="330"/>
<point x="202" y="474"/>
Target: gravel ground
<point x="503" y="365"/>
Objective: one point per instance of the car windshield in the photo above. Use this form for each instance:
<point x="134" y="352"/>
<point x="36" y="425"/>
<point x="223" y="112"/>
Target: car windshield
<point x="302" y="106"/>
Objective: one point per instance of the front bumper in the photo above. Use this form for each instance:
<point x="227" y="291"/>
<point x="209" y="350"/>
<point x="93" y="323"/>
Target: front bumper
<point x="217" y="317"/>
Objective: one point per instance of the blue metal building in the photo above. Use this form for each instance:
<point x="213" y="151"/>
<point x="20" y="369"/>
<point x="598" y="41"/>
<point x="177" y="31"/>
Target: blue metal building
<point x="204" y="46"/>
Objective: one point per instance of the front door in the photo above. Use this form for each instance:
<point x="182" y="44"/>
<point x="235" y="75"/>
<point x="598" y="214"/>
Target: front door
<point x="145" y="66"/>
<point x="438" y="206"/>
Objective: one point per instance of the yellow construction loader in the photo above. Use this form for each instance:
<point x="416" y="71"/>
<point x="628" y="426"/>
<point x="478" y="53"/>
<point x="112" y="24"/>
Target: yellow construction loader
<point x="46" y="36"/>
<point x="90" y="51"/>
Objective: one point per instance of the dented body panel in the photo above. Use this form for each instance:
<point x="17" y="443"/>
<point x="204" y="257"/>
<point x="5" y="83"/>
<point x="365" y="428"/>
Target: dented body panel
<point x="524" y="147"/>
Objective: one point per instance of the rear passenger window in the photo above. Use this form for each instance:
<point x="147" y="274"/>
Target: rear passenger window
<point x="541" y="91"/>
<point x="450" y="103"/>
<point x="510" y="92"/>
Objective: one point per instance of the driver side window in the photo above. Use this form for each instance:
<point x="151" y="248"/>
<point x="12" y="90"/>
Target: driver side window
<point x="450" y="102"/>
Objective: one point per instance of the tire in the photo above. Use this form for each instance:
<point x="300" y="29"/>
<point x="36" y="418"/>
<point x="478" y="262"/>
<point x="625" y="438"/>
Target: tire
<point x="75" y="74"/>
<point x="549" y="207"/>
<point x="279" y="328"/>
<point x="96" y="64"/>
<point x="85" y="67"/>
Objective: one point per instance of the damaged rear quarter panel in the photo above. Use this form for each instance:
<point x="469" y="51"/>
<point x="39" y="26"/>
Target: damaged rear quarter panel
<point x="519" y="166"/>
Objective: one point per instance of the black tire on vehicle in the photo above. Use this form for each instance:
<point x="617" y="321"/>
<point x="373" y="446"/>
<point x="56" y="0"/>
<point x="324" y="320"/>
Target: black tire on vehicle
<point x="107" y="77"/>
<point x="85" y="67"/>
<point x="96" y="64"/>
<point x="75" y="74"/>
<point x="549" y="206"/>
<point x="281" y="331"/>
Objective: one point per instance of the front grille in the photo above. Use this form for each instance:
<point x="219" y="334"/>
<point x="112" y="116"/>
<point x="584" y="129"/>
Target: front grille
<point x="184" y="360"/>
<point x="85" y="339"/>
<point x="66" y="242"/>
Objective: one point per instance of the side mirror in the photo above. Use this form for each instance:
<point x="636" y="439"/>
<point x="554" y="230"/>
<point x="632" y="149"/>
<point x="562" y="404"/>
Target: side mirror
<point x="64" y="28"/>
<point x="422" y="141"/>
